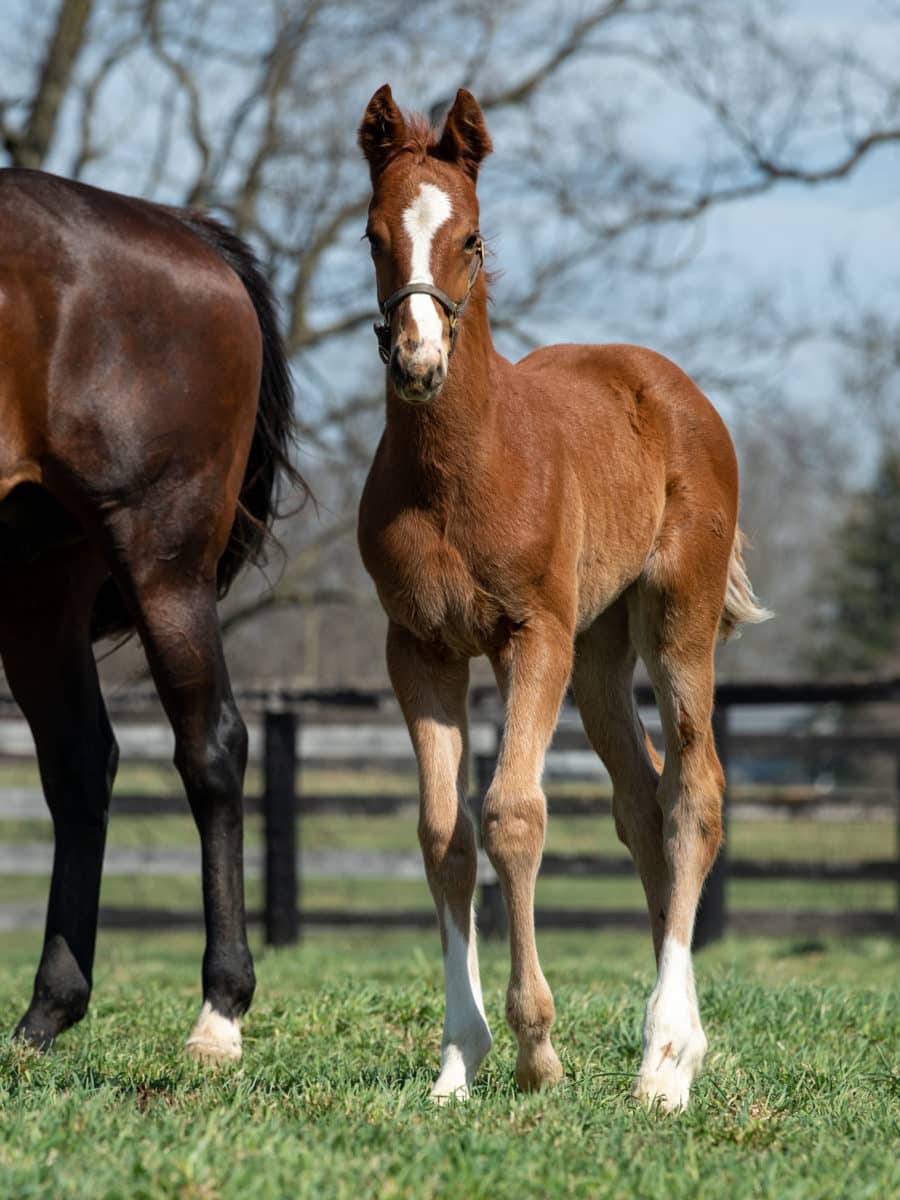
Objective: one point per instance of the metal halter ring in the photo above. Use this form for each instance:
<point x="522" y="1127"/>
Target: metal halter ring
<point x="453" y="309"/>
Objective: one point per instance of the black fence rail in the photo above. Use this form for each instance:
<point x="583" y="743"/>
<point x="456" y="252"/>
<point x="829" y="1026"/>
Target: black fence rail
<point x="713" y="917"/>
<point x="282" y="711"/>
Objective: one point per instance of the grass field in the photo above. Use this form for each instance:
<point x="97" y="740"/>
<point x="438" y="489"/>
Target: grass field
<point x="799" y="1097"/>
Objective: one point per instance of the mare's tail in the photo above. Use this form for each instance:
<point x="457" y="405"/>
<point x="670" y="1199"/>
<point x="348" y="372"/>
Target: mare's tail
<point x="742" y="607"/>
<point x="270" y="470"/>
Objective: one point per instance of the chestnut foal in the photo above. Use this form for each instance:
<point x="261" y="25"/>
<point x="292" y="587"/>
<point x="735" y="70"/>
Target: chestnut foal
<point x="560" y="515"/>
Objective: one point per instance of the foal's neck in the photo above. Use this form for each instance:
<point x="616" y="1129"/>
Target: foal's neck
<point x="443" y="441"/>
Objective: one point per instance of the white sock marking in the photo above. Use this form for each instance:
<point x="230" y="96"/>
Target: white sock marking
<point x="674" y="1041"/>
<point x="424" y="217"/>
<point x="467" y="1037"/>
<point x="214" y="1038"/>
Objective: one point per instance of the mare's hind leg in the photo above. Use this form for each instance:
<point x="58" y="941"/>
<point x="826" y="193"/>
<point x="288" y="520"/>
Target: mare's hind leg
<point x="675" y="634"/>
<point x="174" y="608"/>
<point x="532" y="672"/>
<point x="431" y="688"/>
<point x="602" y="680"/>
<point x="49" y="661"/>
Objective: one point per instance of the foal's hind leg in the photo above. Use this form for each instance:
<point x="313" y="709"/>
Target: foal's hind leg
<point x="431" y="688"/>
<point x="676" y="634"/>
<point x="532" y="672"/>
<point x="50" y="667"/>
<point x="603" y="684"/>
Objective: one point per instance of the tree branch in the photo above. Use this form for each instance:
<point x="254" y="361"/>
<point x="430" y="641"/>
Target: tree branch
<point x="30" y="149"/>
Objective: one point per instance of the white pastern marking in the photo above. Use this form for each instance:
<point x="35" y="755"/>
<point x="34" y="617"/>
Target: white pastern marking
<point x="674" y="1041"/>
<point x="467" y="1037"/>
<point x="424" y="217"/>
<point x="214" y="1038"/>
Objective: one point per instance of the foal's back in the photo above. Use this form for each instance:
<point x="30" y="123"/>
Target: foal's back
<point x="625" y="412"/>
<point x="635" y="466"/>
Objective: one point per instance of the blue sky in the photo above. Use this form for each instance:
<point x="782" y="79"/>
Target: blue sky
<point x="784" y="243"/>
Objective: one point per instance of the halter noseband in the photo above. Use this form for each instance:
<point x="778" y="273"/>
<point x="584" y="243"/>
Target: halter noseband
<point x="453" y="309"/>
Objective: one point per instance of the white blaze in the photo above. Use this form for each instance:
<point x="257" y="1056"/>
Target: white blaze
<point x="424" y="217"/>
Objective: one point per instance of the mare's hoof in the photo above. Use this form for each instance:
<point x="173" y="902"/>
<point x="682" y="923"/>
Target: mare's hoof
<point x="214" y="1039"/>
<point x="34" y="1033"/>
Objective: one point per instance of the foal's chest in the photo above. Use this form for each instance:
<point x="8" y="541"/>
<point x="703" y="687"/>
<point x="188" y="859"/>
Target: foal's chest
<point x="428" y="584"/>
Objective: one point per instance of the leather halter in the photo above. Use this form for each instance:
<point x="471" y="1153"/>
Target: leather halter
<point x="452" y="308"/>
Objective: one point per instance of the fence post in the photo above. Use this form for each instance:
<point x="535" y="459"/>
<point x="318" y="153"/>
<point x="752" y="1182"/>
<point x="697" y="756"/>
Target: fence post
<point x="711" y="912"/>
<point x="280" y="828"/>
<point x="491" y="909"/>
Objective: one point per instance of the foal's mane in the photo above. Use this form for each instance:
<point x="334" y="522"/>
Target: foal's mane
<point x="421" y="138"/>
<point x="423" y="141"/>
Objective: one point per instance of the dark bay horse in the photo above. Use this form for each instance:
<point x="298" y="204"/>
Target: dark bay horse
<point x="145" y="423"/>
<point x="562" y="516"/>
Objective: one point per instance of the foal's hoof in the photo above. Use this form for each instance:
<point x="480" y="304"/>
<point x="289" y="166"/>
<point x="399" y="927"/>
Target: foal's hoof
<point x="441" y="1095"/>
<point x="668" y="1069"/>
<point x="460" y="1060"/>
<point x="214" y="1039"/>
<point x="538" y="1067"/>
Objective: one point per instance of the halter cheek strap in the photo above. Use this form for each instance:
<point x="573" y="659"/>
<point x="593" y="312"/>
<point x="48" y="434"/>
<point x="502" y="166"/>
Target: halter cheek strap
<point x="452" y="308"/>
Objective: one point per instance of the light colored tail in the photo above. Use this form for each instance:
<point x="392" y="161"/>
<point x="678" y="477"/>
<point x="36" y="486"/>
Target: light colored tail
<point x="742" y="607"/>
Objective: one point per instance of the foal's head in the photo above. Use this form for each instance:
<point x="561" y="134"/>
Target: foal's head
<point x="423" y="230"/>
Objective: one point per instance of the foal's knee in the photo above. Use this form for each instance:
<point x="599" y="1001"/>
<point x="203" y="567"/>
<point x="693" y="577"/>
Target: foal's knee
<point x="448" y="851"/>
<point x="513" y="828"/>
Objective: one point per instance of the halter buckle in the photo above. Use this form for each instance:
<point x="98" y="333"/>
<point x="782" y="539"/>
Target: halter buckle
<point x="383" y="334"/>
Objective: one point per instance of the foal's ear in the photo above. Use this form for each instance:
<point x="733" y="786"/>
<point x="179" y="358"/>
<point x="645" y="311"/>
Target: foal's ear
<point x="382" y="131"/>
<point x="465" y="139"/>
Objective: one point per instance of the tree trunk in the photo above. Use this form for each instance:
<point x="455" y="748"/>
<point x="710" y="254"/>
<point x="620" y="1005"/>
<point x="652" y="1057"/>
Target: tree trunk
<point x="30" y="149"/>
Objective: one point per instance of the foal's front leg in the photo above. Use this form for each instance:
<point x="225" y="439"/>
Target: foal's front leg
<point x="431" y="688"/>
<point x="532" y="672"/>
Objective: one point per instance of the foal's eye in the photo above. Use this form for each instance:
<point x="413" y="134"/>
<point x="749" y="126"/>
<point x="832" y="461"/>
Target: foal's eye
<point x="471" y="242"/>
<point x="375" y="243"/>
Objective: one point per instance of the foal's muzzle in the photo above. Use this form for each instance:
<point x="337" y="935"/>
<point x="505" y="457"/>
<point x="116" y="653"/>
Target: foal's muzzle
<point x="417" y="373"/>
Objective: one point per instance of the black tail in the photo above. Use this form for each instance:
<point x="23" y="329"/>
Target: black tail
<point x="270" y="471"/>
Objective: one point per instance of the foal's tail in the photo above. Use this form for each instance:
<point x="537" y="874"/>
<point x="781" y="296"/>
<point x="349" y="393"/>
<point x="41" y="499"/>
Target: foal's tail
<point x="742" y="607"/>
<point x="270" y="473"/>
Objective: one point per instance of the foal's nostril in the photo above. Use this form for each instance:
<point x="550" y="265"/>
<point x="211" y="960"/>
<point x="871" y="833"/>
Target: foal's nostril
<point x="398" y="374"/>
<point x="434" y="378"/>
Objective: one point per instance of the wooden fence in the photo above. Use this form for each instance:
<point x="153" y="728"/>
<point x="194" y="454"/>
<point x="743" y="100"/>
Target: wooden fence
<point x="282" y="711"/>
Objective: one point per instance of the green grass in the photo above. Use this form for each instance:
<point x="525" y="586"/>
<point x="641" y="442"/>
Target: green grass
<point x="799" y="1097"/>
